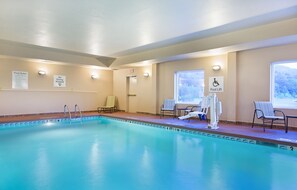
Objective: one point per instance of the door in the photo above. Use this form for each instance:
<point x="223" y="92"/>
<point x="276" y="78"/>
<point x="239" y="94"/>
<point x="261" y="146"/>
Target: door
<point x="132" y="96"/>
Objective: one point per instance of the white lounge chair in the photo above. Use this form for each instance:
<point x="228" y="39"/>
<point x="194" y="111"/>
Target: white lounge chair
<point x="110" y="105"/>
<point x="264" y="110"/>
<point x="168" y="108"/>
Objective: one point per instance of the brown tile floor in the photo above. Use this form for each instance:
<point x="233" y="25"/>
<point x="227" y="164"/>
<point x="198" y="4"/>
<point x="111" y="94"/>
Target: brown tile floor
<point x="271" y="135"/>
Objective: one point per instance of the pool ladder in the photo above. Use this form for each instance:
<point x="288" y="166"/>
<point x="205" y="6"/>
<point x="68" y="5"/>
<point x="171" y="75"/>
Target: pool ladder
<point x="66" y="110"/>
<point x="76" y="111"/>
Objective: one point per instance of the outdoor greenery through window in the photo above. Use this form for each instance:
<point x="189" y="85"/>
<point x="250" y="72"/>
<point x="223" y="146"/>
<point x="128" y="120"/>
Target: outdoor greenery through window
<point x="189" y="86"/>
<point x="284" y="85"/>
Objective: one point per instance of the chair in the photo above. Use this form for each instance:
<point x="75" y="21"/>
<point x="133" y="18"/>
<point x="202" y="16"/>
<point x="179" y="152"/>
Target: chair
<point x="168" y="107"/>
<point x="265" y="111"/>
<point x="202" y="113"/>
<point x="109" y="106"/>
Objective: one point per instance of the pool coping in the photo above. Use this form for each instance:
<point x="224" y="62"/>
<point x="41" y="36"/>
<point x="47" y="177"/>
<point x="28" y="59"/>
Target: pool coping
<point x="288" y="145"/>
<point x="263" y="141"/>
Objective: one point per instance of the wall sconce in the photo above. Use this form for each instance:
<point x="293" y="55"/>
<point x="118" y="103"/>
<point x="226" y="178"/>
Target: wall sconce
<point x="146" y="74"/>
<point x="216" y="67"/>
<point x="94" y="77"/>
<point x="41" y="73"/>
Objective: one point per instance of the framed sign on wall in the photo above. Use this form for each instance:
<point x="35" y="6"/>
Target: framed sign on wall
<point x="19" y="80"/>
<point x="59" y="81"/>
<point x="216" y="84"/>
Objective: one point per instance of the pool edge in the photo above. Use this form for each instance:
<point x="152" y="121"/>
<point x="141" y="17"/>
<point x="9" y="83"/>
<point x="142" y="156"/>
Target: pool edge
<point x="290" y="145"/>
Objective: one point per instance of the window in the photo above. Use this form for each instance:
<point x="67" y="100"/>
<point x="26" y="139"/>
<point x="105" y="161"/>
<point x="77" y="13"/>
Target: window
<point x="284" y="85"/>
<point x="189" y="86"/>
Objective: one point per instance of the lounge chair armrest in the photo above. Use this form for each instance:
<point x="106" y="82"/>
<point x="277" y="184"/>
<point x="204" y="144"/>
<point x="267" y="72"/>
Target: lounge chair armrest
<point x="256" y="110"/>
<point x="279" y="111"/>
<point x="189" y="107"/>
<point x="194" y="108"/>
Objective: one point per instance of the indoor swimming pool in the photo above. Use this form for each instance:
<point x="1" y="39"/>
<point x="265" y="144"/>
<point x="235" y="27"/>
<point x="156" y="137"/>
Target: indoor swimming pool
<point x="110" y="154"/>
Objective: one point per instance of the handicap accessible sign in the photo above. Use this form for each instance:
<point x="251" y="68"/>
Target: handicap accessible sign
<point x="216" y="84"/>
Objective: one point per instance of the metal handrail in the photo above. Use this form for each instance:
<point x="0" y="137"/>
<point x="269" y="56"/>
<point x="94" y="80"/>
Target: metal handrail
<point x="66" y="108"/>
<point x="76" y="108"/>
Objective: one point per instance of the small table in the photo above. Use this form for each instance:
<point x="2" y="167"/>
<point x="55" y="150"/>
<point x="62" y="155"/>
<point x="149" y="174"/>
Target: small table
<point x="179" y="111"/>
<point x="187" y="109"/>
<point x="287" y="120"/>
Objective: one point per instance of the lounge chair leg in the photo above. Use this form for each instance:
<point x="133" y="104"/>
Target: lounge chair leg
<point x="162" y="114"/>
<point x="271" y="124"/>
<point x="254" y="119"/>
<point x="263" y="125"/>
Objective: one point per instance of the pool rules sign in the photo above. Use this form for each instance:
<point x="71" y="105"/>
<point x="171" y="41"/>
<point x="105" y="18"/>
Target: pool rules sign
<point x="216" y="84"/>
<point x="19" y="80"/>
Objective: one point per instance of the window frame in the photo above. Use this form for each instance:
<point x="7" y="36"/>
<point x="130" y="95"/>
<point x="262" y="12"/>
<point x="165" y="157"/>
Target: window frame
<point x="176" y="85"/>
<point x="272" y="85"/>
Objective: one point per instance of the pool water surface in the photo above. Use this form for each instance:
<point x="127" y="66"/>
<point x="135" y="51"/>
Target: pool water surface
<point x="109" y="154"/>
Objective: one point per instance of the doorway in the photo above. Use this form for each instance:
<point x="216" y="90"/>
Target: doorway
<point x="131" y="94"/>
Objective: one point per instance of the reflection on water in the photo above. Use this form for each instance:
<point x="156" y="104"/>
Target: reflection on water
<point x="94" y="171"/>
<point x="42" y="169"/>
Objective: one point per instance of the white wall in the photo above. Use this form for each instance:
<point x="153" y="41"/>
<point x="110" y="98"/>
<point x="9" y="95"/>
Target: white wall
<point x="253" y="72"/>
<point x="167" y="70"/>
<point x="146" y="88"/>
<point x="42" y="97"/>
<point x="246" y="76"/>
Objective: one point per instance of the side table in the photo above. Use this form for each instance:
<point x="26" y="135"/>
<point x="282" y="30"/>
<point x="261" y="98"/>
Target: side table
<point x="287" y="120"/>
<point x="179" y="111"/>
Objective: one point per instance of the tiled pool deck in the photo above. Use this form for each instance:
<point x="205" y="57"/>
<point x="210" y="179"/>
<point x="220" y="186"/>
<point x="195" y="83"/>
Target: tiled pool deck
<point x="274" y="135"/>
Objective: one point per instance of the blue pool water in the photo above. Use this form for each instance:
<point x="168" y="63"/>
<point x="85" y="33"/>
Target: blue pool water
<point x="109" y="154"/>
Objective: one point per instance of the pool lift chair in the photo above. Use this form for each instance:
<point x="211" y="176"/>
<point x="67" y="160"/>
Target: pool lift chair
<point x="208" y="102"/>
<point x="190" y="109"/>
<point x="264" y="110"/>
<point x="201" y="113"/>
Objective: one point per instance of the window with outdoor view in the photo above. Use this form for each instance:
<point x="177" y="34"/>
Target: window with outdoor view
<point x="189" y="86"/>
<point x="284" y="85"/>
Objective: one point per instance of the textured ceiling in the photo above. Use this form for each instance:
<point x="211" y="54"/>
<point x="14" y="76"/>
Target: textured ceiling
<point x="109" y="28"/>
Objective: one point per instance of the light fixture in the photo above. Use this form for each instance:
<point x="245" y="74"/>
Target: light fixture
<point x="94" y="77"/>
<point x="146" y="74"/>
<point x="41" y="73"/>
<point x="216" y="67"/>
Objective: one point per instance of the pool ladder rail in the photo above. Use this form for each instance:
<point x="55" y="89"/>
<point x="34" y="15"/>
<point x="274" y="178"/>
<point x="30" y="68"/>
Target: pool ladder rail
<point x="76" y="111"/>
<point x="66" y="109"/>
